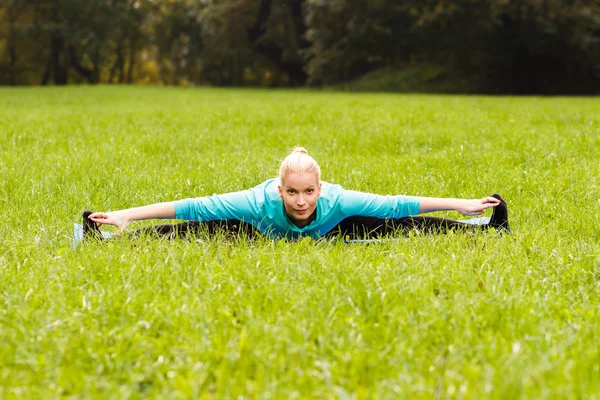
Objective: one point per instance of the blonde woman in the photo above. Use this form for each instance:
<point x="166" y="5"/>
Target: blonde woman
<point x="298" y="204"/>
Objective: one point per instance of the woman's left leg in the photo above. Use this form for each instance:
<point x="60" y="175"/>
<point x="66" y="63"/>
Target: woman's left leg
<point x="372" y="227"/>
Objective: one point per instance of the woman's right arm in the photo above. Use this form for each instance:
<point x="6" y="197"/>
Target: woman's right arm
<point x="230" y="206"/>
<point x="123" y="218"/>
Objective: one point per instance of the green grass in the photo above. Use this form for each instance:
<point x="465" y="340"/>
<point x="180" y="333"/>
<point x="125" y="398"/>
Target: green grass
<point x="447" y="316"/>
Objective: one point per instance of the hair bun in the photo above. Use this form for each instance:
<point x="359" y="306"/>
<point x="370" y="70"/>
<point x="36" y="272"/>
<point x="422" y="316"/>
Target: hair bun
<point x="300" y="162"/>
<point x="300" y="150"/>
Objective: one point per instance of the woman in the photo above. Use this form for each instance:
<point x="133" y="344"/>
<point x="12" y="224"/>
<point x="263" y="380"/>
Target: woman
<point x="299" y="204"/>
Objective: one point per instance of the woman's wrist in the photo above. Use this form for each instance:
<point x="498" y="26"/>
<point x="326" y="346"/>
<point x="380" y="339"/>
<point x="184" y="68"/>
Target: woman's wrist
<point x="125" y="217"/>
<point x="431" y="204"/>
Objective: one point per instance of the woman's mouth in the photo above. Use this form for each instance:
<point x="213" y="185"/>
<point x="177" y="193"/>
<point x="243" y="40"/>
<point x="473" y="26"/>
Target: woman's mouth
<point x="302" y="212"/>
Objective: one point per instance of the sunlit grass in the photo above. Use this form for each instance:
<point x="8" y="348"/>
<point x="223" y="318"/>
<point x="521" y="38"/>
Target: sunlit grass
<point x="460" y="316"/>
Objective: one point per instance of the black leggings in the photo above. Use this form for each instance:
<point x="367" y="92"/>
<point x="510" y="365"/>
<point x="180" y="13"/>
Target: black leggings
<point x="351" y="227"/>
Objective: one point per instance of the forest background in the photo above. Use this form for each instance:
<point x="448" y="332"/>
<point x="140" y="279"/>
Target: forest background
<point x="452" y="46"/>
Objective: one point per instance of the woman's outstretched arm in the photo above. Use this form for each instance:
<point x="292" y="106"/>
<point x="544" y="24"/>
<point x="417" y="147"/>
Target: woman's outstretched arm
<point x="230" y="206"/>
<point x="463" y="206"/>
<point x="122" y="218"/>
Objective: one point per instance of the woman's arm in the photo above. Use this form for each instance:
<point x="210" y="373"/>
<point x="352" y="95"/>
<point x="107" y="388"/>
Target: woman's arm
<point x="123" y="218"/>
<point x="465" y="207"/>
<point x="237" y="205"/>
<point x="355" y="203"/>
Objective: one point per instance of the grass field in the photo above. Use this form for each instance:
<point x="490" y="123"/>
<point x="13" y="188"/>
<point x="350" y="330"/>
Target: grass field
<point x="446" y="316"/>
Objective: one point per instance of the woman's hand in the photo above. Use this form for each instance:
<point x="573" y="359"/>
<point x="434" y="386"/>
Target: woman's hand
<point x="122" y="218"/>
<point x="116" y="218"/>
<point x="476" y="207"/>
<point x="463" y="206"/>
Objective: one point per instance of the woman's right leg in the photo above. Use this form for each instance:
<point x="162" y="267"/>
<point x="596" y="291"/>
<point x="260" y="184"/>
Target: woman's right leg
<point x="190" y="228"/>
<point x="180" y="230"/>
<point x="170" y="231"/>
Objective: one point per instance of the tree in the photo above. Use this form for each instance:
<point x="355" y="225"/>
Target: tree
<point x="349" y="38"/>
<point x="11" y="13"/>
<point x="278" y="35"/>
<point x="497" y="46"/>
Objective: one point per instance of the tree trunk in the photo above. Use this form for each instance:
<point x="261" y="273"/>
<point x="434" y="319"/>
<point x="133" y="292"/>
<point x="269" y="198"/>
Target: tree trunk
<point x="58" y="71"/>
<point x="118" y="65"/>
<point x="12" y="48"/>
<point x="121" y="59"/>
<point x="131" y="62"/>
<point x="237" y="70"/>
<point x="12" y="14"/>
<point x="293" y="68"/>
<point x="111" y="76"/>
<point x="46" y="76"/>
<point x="96" y="72"/>
<point x="86" y="72"/>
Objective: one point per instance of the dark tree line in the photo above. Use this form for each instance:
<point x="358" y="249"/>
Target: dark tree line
<point x="496" y="46"/>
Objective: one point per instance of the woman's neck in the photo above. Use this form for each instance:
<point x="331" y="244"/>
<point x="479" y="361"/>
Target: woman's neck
<point x="305" y="222"/>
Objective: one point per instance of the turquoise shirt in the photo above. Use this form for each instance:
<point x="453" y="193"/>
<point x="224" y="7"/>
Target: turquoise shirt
<point x="262" y="207"/>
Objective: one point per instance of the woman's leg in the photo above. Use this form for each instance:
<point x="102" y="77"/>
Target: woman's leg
<point x="179" y="230"/>
<point x="372" y="227"/>
<point x="170" y="231"/>
<point x="187" y="228"/>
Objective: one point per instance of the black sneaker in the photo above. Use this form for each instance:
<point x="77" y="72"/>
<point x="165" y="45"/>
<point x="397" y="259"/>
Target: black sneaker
<point x="499" y="219"/>
<point x="90" y="229"/>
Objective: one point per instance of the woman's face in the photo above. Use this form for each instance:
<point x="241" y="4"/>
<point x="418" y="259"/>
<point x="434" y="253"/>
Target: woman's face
<point x="300" y="193"/>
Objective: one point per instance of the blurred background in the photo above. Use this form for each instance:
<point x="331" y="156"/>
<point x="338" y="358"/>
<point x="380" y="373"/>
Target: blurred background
<point x="443" y="46"/>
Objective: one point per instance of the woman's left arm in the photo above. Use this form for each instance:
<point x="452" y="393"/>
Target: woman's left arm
<point x="463" y="206"/>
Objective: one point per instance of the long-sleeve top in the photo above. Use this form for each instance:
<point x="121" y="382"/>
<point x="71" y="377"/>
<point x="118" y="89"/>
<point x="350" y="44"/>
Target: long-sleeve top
<point x="263" y="208"/>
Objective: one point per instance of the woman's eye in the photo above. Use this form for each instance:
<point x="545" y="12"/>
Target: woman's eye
<point x="291" y="191"/>
<point x="309" y="191"/>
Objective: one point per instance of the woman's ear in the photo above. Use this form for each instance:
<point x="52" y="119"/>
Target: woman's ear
<point x="280" y="191"/>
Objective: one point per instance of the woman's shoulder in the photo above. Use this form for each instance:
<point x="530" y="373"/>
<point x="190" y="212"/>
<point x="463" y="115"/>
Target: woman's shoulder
<point x="268" y="184"/>
<point x="268" y="190"/>
<point x="330" y="187"/>
<point x="330" y="191"/>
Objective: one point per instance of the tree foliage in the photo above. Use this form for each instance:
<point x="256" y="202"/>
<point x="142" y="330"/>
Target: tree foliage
<point x="498" y="46"/>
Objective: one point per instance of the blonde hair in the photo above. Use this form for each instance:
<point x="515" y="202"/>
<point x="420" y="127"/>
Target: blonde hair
<point x="300" y="162"/>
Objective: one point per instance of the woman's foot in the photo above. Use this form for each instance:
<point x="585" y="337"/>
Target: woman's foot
<point x="499" y="219"/>
<point x="90" y="229"/>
